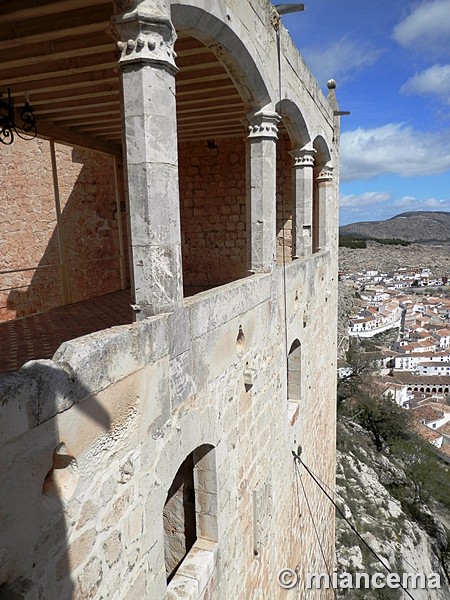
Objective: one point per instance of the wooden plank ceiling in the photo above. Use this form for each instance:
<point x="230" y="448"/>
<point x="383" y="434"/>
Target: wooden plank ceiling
<point x="61" y="54"/>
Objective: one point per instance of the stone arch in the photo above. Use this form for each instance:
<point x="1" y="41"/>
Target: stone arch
<point x="322" y="169"/>
<point x="190" y="431"/>
<point x="294" y="386"/>
<point x="209" y="24"/>
<point x="323" y="154"/>
<point x="293" y="136"/>
<point x="294" y="371"/>
<point x="294" y="123"/>
<point x="190" y="509"/>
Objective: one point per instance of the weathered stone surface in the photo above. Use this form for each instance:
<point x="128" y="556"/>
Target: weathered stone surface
<point x="28" y="229"/>
<point x="131" y="403"/>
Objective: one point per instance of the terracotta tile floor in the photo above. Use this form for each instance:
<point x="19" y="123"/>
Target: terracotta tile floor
<point x="40" y="335"/>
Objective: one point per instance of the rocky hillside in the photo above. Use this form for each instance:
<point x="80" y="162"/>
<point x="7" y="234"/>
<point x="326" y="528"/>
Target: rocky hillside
<point x="419" y="226"/>
<point x="387" y="258"/>
<point x="364" y="477"/>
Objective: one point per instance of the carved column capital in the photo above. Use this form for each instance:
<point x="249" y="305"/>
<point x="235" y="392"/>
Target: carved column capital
<point x="326" y="174"/>
<point x="305" y="157"/>
<point x="263" y="124"/>
<point x="145" y="36"/>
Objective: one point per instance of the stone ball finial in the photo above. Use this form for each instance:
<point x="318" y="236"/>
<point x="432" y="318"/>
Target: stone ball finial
<point x="331" y="84"/>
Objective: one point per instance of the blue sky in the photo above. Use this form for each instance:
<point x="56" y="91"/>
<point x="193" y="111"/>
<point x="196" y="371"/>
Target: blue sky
<point x="391" y="62"/>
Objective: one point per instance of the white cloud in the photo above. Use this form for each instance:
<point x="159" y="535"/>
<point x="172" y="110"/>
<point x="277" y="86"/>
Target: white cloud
<point x="410" y="202"/>
<point x="426" y="27"/>
<point x="383" y="205"/>
<point x="340" y="60"/>
<point x="434" y="80"/>
<point x="393" y="148"/>
<point x="366" y="199"/>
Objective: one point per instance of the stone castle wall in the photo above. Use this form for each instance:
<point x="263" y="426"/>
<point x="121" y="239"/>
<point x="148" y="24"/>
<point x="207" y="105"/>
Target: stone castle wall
<point x="213" y="211"/>
<point x="93" y="527"/>
<point x="93" y="439"/>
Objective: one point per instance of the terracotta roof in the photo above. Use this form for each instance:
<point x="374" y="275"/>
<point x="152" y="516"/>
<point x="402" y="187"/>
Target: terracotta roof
<point x="428" y="434"/>
<point x="442" y="333"/>
<point x="444" y="429"/>
<point x="423" y="380"/>
<point x="426" y="413"/>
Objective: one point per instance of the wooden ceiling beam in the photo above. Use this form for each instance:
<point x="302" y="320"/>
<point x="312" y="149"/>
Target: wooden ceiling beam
<point x="197" y="137"/>
<point x="19" y="10"/>
<point x="201" y="80"/>
<point x="48" y="52"/>
<point x="61" y="99"/>
<point x="213" y="131"/>
<point x="88" y="120"/>
<point x="74" y="108"/>
<point x="42" y="29"/>
<point x="59" y="83"/>
<point x="199" y="95"/>
<point x="48" y="131"/>
<point x="96" y="126"/>
<point x="219" y="116"/>
<point x="210" y="105"/>
<point x="78" y="113"/>
<point x="201" y="66"/>
<point x="196" y="51"/>
<point x="63" y="68"/>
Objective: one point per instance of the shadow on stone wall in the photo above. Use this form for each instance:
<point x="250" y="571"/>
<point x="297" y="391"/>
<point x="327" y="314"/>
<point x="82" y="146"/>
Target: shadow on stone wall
<point x="89" y="232"/>
<point x="40" y="480"/>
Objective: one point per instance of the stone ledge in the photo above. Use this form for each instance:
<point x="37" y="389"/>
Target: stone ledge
<point x="80" y="368"/>
<point x="194" y="573"/>
<point x="211" y="309"/>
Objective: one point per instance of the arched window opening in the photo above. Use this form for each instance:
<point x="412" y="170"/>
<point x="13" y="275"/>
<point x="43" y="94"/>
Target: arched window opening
<point x="190" y="510"/>
<point x="284" y="198"/>
<point x="294" y="389"/>
<point x="180" y="531"/>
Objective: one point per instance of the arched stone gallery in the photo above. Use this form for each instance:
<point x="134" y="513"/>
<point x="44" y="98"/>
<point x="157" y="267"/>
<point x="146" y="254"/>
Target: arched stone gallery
<point x="147" y="452"/>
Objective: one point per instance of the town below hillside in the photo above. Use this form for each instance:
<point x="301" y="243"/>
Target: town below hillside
<point x="400" y="319"/>
<point x="393" y="477"/>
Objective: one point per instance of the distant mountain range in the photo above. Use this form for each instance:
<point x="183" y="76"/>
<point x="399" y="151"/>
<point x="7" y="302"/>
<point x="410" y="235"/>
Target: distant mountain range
<point x="417" y="226"/>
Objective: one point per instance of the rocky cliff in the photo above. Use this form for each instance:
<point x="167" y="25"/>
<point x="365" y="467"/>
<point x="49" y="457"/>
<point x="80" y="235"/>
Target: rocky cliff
<point x="364" y="480"/>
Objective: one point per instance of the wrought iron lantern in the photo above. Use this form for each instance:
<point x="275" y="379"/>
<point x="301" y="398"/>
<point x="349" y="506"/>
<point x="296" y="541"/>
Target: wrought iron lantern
<point x="25" y="128"/>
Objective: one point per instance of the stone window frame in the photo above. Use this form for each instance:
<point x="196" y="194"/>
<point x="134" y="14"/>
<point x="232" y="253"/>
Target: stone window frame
<point x="294" y="368"/>
<point x="196" y="570"/>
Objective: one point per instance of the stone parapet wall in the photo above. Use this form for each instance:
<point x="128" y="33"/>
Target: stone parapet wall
<point x="129" y="404"/>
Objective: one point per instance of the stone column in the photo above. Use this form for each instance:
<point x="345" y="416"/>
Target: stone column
<point x="261" y="190"/>
<point x="325" y="198"/>
<point x="148" y="71"/>
<point x="303" y="177"/>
